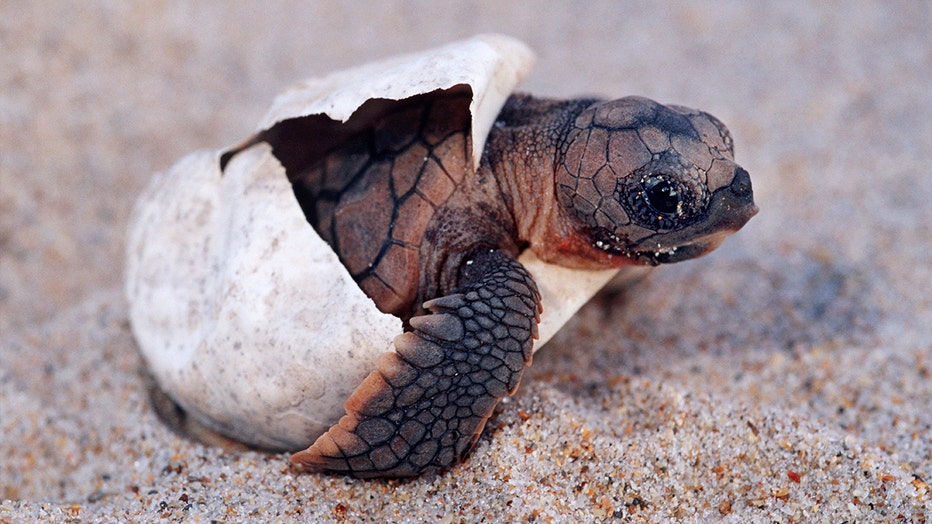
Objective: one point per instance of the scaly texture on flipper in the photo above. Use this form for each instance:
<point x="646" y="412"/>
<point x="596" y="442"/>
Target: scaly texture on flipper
<point x="425" y="405"/>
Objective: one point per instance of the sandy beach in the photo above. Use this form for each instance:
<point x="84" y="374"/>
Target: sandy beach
<point x="786" y="377"/>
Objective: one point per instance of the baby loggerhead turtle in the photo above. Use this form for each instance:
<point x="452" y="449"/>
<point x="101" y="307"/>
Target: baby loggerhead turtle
<point x="431" y="228"/>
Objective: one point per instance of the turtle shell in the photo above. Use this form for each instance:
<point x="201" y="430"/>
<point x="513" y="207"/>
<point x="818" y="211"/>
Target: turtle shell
<point x="370" y="186"/>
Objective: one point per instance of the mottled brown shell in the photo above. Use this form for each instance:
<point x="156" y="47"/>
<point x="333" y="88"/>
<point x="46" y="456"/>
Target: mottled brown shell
<point x="371" y="186"/>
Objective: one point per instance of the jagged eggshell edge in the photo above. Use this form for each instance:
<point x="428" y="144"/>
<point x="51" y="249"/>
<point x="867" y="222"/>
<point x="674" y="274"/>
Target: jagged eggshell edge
<point x="491" y="64"/>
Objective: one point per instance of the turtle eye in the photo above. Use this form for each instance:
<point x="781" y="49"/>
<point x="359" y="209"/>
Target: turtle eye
<point x="662" y="195"/>
<point x="666" y="194"/>
<point x="660" y="201"/>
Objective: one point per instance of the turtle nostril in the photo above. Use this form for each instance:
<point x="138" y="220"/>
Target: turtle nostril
<point x="741" y="185"/>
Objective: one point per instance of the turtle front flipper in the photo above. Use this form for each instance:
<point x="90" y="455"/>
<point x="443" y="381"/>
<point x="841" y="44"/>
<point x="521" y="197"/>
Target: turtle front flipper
<point x="426" y="404"/>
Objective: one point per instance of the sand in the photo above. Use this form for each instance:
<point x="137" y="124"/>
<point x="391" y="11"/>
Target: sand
<point x="785" y="378"/>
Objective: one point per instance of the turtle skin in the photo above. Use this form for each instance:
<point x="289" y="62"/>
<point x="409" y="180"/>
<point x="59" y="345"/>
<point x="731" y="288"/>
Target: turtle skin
<point x="584" y="183"/>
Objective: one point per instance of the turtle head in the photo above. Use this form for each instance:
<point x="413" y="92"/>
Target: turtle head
<point x="645" y="183"/>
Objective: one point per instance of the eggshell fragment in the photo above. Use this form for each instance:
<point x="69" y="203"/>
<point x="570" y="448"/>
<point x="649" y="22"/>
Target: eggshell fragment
<point x="243" y="313"/>
<point x="491" y="64"/>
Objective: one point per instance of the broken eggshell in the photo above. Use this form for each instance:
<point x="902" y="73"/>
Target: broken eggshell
<point x="244" y="315"/>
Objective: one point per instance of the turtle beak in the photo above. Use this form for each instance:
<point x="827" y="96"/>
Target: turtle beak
<point x="730" y="209"/>
<point x="736" y="203"/>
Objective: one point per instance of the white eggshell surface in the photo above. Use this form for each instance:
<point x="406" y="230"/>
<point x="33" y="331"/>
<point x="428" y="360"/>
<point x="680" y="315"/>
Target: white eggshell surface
<point x="245" y="316"/>
<point x="243" y="313"/>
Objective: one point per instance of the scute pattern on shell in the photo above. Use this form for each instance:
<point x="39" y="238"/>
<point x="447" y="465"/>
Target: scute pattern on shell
<point x="371" y="194"/>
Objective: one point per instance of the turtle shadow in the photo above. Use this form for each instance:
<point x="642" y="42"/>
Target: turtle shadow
<point x="185" y="426"/>
<point x="733" y="310"/>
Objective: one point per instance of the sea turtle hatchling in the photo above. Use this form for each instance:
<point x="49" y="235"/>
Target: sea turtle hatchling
<point x="431" y="228"/>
